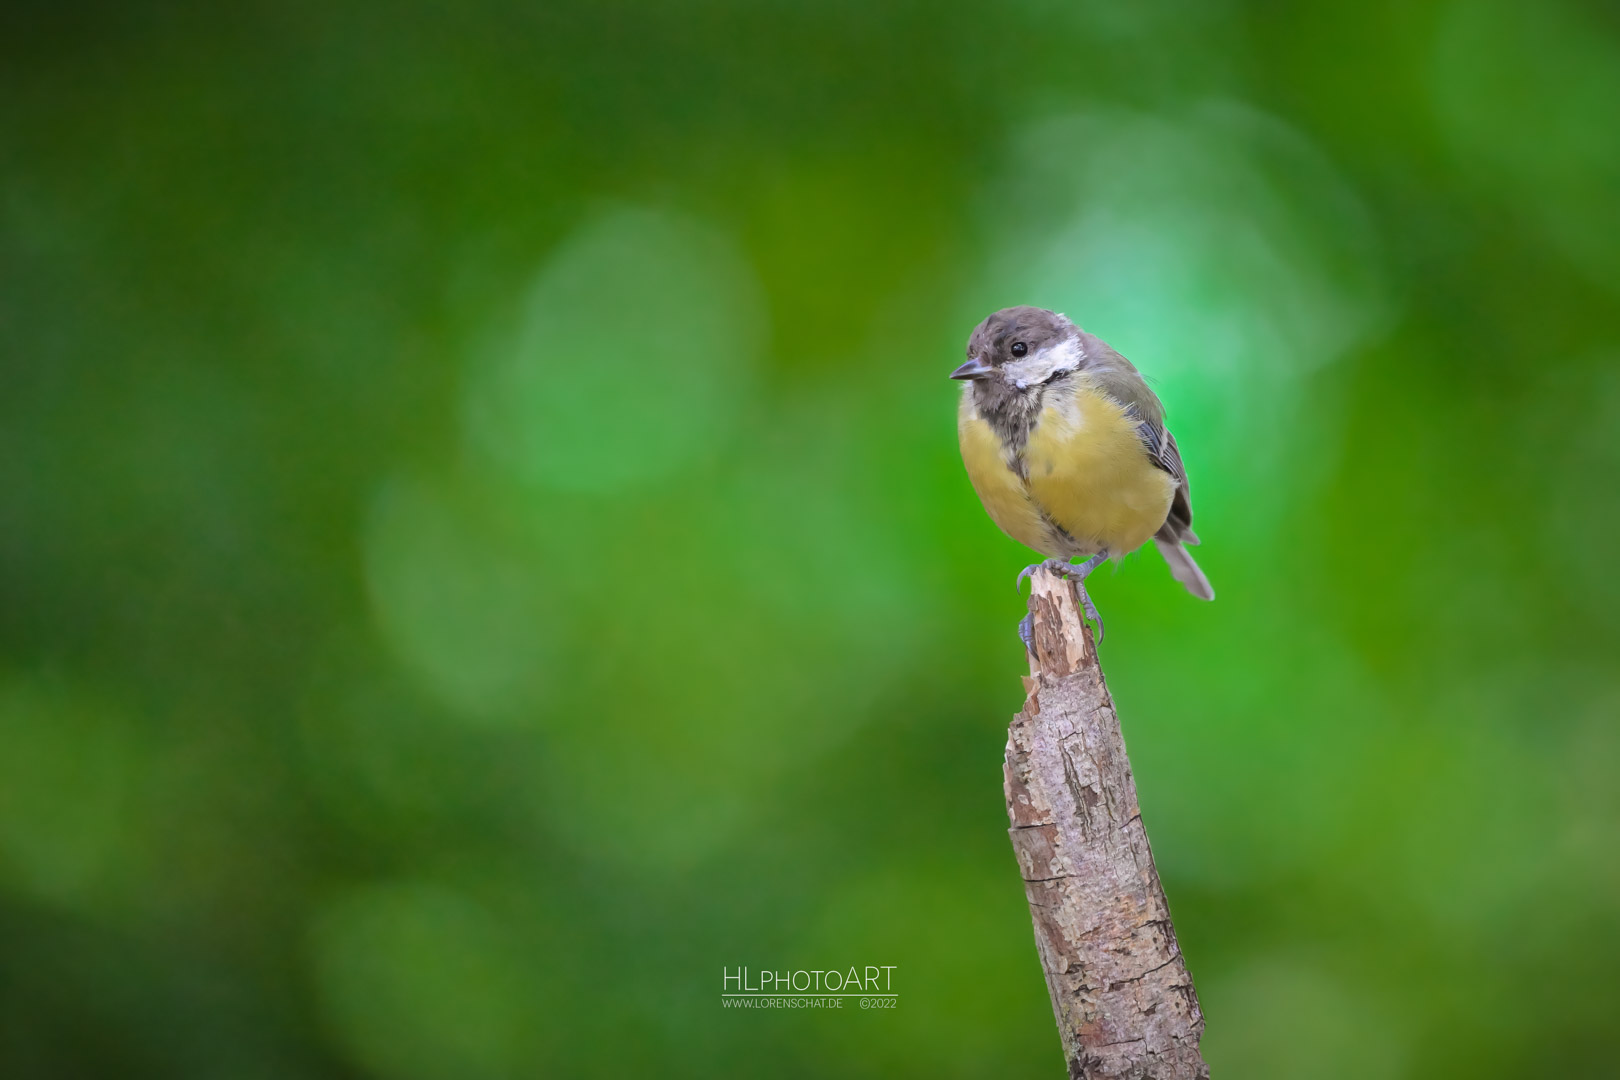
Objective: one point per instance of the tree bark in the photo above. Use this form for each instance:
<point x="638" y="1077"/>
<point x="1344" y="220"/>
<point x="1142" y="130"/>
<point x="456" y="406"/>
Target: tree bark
<point x="1124" y="1003"/>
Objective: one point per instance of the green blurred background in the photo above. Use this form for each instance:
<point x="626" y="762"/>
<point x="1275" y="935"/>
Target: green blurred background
<point x="482" y="543"/>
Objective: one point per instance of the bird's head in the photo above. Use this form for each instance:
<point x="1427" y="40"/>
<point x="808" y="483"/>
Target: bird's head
<point x="1021" y="348"/>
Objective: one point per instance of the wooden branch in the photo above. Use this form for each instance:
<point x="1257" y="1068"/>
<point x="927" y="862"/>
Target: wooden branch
<point x="1124" y="1003"/>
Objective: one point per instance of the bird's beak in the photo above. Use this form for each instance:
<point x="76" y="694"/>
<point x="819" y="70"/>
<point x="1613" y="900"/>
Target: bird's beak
<point x="973" y="369"/>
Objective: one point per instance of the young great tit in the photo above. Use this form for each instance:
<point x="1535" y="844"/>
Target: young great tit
<point x="1067" y="448"/>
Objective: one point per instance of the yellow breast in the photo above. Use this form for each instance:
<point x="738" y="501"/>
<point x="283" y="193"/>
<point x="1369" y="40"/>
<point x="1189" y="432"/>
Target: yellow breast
<point x="991" y="469"/>
<point x="1087" y="473"/>
<point x="1090" y="473"/>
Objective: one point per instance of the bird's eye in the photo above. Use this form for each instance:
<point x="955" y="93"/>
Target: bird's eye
<point x="1019" y="348"/>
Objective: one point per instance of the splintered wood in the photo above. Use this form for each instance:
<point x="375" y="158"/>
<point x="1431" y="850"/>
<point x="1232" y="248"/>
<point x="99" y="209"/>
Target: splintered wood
<point x="1124" y="1003"/>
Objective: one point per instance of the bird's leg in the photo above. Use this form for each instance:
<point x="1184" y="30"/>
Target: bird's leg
<point x="1026" y="632"/>
<point x="1076" y="576"/>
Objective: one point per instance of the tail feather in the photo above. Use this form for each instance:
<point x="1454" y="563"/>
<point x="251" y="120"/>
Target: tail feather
<point x="1184" y="569"/>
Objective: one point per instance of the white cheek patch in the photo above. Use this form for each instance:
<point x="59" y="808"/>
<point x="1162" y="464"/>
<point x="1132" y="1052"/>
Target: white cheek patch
<point x="1064" y="356"/>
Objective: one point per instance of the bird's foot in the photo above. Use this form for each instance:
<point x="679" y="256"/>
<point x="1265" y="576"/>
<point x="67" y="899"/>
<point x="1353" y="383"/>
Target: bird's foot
<point x="1076" y="577"/>
<point x="1057" y="566"/>
<point x="1079" y="586"/>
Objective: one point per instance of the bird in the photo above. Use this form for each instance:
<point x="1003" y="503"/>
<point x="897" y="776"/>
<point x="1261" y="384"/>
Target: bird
<point x="1066" y="445"/>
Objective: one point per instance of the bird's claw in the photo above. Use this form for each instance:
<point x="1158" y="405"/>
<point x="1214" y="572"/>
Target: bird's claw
<point x="1026" y="632"/>
<point x="1061" y="566"/>
<point x="1091" y="609"/>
